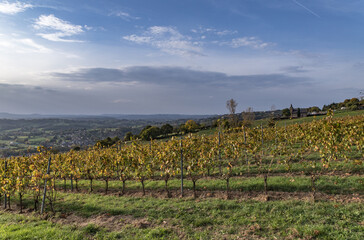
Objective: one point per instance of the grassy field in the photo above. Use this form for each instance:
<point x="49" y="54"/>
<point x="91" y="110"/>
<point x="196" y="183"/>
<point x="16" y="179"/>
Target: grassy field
<point x="290" y="214"/>
<point x="281" y="123"/>
<point x="96" y="216"/>
<point x="337" y="114"/>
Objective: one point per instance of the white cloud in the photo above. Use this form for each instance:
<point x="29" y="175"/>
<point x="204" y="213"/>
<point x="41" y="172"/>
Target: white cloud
<point x="60" y="28"/>
<point x="252" y="42"/>
<point x="124" y="15"/>
<point x="122" y="100"/>
<point x="54" y="23"/>
<point x="168" y="40"/>
<point x="214" y="31"/>
<point x="226" y="32"/>
<point x="138" y="39"/>
<point x="159" y="30"/>
<point x="13" y="8"/>
<point x="88" y="27"/>
<point x="35" y="46"/>
<point x="21" y="45"/>
<point x="57" y="37"/>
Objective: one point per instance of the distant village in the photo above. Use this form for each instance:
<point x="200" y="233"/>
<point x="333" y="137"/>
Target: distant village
<point x="349" y="104"/>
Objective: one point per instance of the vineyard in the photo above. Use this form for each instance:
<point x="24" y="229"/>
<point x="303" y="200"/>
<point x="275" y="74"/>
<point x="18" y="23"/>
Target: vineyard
<point x="314" y="151"/>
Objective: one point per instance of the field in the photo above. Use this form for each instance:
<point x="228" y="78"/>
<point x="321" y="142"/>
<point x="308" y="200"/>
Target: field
<point x="290" y="214"/>
<point x="298" y="181"/>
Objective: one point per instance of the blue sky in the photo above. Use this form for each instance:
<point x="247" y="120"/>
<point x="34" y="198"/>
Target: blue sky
<point x="191" y="56"/>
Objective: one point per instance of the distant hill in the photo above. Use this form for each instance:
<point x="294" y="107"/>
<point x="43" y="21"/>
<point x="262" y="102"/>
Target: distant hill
<point x="153" y="117"/>
<point x="156" y="117"/>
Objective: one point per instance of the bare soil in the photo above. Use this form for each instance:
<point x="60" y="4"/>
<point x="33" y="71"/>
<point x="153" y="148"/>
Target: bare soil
<point x="110" y="222"/>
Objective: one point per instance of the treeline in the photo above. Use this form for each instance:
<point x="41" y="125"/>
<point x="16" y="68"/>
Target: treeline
<point x="232" y="120"/>
<point x="350" y="104"/>
<point x="154" y="132"/>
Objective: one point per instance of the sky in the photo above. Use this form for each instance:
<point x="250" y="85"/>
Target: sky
<point x="173" y="56"/>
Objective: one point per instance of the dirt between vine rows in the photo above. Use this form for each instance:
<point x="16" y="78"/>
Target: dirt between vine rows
<point x="105" y="220"/>
<point x="115" y="223"/>
<point x="118" y="222"/>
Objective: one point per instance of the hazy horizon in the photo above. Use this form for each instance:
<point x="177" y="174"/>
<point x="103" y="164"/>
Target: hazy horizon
<point x="177" y="57"/>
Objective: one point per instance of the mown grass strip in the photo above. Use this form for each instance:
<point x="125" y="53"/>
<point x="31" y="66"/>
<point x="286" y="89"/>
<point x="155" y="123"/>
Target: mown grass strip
<point x="193" y="219"/>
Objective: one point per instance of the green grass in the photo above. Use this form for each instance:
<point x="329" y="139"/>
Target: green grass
<point x="192" y="219"/>
<point x="287" y="122"/>
<point x="207" y="132"/>
<point x="337" y="114"/>
<point x="37" y="140"/>
<point x="282" y="123"/>
<point x="297" y="167"/>
<point x="15" y="226"/>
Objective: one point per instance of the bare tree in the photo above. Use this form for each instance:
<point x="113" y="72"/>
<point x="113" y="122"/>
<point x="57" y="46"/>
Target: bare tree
<point x="273" y="108"/>
<point x="271" y="121"/>
<point x="231" y="106"/>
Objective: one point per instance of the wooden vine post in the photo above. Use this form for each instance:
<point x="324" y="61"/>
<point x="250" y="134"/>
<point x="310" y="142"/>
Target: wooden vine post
<point x="180" y="144"/>
<point x="45" y="186"/>
<point x="261" y="126"/>
<point x="220" y="164"/>
<point x="5" y="193"/>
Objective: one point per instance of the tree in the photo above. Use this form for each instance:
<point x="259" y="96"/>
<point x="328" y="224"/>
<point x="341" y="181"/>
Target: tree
<point x="314" y="109"/>
<point x="333" y="106"/>
<point x="107" y="142"/>
<point x="166" y="129"/>
<point x="286" y="112"/>
<point x="231" y="106"/>
<point x="291" y="109"/>
<point x="271" y="121"/>
<point x="353" y="107"/>
<point x="361" y="103"/>
<point x="128" y="136"/>
<point x="150" y="133"/>
<point x="353" y="104"/>
<point x="76" y="148"/>
<point x="145" y="128"/>
<point x="191" y="126"/>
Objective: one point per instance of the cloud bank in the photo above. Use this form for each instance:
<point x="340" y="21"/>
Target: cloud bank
<point x="172" y="76"/>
